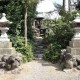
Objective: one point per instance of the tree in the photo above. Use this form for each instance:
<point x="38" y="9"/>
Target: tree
<point x="21" y="12"/>
<point x="60" y="9"/>
<point x="16" y="10"/>
<point x="27" y="4"/>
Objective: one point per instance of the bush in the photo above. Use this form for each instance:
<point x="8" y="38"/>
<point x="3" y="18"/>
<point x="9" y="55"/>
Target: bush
<point x="52" y="53"/>
<point x="27" y="52"/>
<point x="61" y="33"/>
<point x="60" y="40"/>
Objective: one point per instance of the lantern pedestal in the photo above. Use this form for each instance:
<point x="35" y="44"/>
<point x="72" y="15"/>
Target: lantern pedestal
<point x="6" y="48"/>
<point x="4" y="36"/>
<point x="77" y="33"/>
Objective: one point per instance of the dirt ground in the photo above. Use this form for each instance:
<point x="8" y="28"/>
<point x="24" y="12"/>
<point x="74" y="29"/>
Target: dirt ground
<point x="41" y="70"/>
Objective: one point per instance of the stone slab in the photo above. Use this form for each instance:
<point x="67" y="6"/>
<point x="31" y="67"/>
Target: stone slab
<point x="5" y="44"/>
<point x="73" y="51"/>
<point x="7" y="51"/>
<point x="75" y="43"/>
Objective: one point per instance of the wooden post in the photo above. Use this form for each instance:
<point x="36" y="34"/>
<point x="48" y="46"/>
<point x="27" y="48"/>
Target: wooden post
<point x="25" y="27"/>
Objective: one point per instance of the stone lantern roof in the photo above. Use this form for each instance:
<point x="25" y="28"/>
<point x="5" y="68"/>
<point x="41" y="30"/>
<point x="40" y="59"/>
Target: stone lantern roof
<point x="3" y="21"/>
<point x="77" y="19"/>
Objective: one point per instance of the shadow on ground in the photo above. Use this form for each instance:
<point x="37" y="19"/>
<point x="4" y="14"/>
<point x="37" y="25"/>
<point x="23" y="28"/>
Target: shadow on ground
<point x="47" y="63"/>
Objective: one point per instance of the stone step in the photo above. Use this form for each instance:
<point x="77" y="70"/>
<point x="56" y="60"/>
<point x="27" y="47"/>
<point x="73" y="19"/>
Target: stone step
<point x="38" y="39"/>
<point x="37" y="52"/>
<point x="41" y="47"/>
<point x="39" y="44"/>
<point x="5" y="44"/>
<point x="38" y="55"/>
<point x="40" y="50"/>
<point x="7" y="51"/>
<point x="73" y="51"/>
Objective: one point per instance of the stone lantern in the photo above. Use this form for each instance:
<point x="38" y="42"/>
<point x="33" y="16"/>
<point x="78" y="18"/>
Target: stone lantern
<point x="5" y="44"/>
<point x="74" y="45"/>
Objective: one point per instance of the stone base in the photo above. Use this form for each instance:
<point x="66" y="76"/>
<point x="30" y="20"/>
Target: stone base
<point x="73" y="51"/>
<point x="6" y="48"/>
<point x="4" y="39"/>
<point x="5" y="44"/>
<point x="7" y="51"/>
<point x="74" y="47"/>
<point x="75" y="43"/>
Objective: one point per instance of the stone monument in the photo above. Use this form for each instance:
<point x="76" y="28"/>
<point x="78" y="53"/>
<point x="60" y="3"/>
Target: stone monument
<point x="74" y="47"/>
<point x="5" y="44"/>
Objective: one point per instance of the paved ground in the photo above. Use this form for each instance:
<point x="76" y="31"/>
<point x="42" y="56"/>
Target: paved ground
<point x="41" y="70"/>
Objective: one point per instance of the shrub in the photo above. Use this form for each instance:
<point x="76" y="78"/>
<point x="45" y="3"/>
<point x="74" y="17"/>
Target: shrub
<point x="52" y="53"/>
<point x="61" y="34"/>
<point x="27" y="52"/>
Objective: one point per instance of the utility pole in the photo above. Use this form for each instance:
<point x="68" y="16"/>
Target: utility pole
<point x="64" y="4"/>
<point x="69" y="4"/>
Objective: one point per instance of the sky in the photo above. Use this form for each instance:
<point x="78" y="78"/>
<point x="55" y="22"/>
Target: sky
<point x="57" y="1"/>
<point x="47" y="5"/>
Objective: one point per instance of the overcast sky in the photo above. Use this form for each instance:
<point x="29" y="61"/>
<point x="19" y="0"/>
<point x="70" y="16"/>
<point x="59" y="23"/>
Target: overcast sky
<point x="57" y="1"/>
<point x="47" y="5"/>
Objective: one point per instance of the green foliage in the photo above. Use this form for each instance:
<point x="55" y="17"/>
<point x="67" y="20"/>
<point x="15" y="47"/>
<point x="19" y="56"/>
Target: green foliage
<point x="15" y="13"/>
<point x="52" y="53"/>
<point x="60" y="34"/>
<point x="27" y="52"/>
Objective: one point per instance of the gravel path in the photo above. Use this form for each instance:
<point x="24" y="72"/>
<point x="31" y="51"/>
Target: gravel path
<point x="42" y="70"/>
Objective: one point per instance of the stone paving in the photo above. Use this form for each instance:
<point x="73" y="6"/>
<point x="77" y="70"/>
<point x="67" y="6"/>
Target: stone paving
<point x="42" y="70"/>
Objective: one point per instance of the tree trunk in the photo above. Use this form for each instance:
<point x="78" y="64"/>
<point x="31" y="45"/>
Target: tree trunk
<point x="25" y="27"/>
